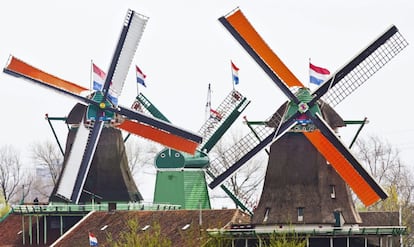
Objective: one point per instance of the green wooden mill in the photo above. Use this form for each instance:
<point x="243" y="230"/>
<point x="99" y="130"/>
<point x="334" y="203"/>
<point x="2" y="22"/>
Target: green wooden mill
<point x="181" y="177"/>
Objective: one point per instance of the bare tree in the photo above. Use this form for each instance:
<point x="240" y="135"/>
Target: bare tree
<point x="47" y="155"/>
<point x="384" y="163"/>
<point x="141" y="153"/>
<point x="247" y="182"/>
<point x="12" y="178"/>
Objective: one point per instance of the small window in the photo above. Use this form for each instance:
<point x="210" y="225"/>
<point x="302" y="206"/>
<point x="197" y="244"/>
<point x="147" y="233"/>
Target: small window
<point x="266" y="215"/>
<point x="333" y="193"/>
<point x="185" y="227"/>
<point x="300" y="213"/>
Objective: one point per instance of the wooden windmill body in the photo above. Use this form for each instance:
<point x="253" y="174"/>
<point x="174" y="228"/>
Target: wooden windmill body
<point x="300" y="186"/>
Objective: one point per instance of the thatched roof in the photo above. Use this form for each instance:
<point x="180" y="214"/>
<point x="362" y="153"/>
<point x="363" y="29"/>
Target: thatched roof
<point x="299" y="178"/>
<point x="379" y="218"/>
<point x="171" y="224"/>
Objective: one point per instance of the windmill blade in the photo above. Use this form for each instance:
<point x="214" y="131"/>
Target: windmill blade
<point x="167" y="127"/>
<point x="72" y="179"/>
<point x="88" y="155"/>
<point x="160" y="136"/>
<point x="246" y="150"/>
<point x="224" y="116"/>
<point x="144" y="105"/>
<point x="241" y="29"/>
<point x="18" y="68"/>
<point x="130" y="36"/>
<point x="346" y="165"/>
<point x="361" y="67"/>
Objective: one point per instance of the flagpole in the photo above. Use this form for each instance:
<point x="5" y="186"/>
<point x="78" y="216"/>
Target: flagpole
<point x="91" y="76"/>
<point x="208" y="104"/>
<point x="136" y="75"/>
<point x="231" y="71"/>
<point x="309" y="73"/>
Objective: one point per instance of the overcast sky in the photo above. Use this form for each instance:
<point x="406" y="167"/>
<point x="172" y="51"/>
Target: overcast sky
<point x="184" y="48"/>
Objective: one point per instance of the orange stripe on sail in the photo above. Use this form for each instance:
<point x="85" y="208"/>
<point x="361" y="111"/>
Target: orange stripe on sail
<point x="18" y="66"/>
<point x="159" y="136"/>
<point x="348" y="173"/>
<point x="249" y="34"/>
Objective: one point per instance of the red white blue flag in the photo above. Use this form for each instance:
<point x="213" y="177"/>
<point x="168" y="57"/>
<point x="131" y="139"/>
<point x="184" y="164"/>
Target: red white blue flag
<point x="215" y="114"/>
<point x="235" y="73"/>
<point x="92" y="240"/>
<point x="317" y="75"/>
<point x="140" y="76"/>
<point x="99" y="77"/>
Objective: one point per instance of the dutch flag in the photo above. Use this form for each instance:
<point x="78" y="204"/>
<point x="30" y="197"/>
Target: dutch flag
<point x="235" y="73"/>
<point x="92" y="240"/>
<point x="99" y="77"/>
<point x="317" y="75"/>
<point x="140" y="77"/>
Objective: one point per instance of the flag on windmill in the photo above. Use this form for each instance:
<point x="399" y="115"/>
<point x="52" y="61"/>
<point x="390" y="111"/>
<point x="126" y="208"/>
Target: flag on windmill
<point x="317" y="75"/>
<point x="93" y="241"/>
<point x="215" y="115"/>
<point x="235" y="73"/>
<point x="140" y="76"/>
<point x="99" y="77"/>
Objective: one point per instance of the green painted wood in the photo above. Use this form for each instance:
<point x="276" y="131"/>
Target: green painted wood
<point x="187" y="188"/>
<point x="225" y="125"/>
<point x="151" y="107"/>
<point x="93" y="109"/>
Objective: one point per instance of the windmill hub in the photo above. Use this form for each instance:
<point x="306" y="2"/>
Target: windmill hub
<point x="304" y="123"/>
<point x="303" y="107"/>
<point x="102" y="105"/>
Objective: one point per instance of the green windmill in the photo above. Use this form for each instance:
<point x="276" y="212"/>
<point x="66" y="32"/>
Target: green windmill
<point x="181" y="177"/>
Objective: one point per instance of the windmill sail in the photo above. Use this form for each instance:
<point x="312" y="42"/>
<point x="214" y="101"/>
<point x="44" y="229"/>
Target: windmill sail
<point x="346" y="165"/>
<point x="220" y="120"/>
<point x="241" y="29"/>
<point x="359" y="69"/>
<point x="70" y="173"/>
<point x="130" y="36"/>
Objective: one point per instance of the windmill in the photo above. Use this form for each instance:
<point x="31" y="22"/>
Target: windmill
<point x="101" y="110"/>
<point x="181" y="178"/>
<point x="307" y="156"/>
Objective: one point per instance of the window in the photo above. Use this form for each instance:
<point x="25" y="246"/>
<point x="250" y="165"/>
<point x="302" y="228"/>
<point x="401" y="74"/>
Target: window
<point x="300" y="213"/>
<point x="266" y="215"/>
<point x="333" y="194"/>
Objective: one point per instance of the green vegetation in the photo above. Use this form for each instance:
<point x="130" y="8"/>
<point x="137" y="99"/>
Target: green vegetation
<point x="285" y="240"/>
<point x="149" y="238"/>
<point x="4" y="207"/>
<point x="136" y="236"/>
